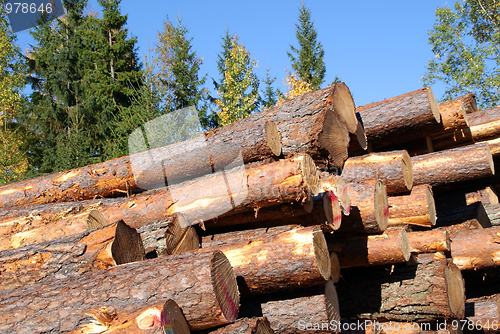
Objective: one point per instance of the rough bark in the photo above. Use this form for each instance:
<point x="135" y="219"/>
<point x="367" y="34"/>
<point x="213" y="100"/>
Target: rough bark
<point x="487" y="196"/>
<point x="295" y="258"/>
<point x="485" y="124"/>
<point x="237" y="190"/>
<point x="369" y="208"/>
<point x="394" y="168"/>
<point x="213" y="240"/>
<point x="425" y="292"/>
<point x="430" y="241"/>
<point x="454" y="112"/>
<point x="366" y="250"/>
<point x="117" y="296"/>
<point x="476" y="249"/>
<point x="483" y="313"/>
<point x="409" y="116"/>
<point x="254" y="325"/>
<point x="454" y="165"/>
<point x="417" y="208"/>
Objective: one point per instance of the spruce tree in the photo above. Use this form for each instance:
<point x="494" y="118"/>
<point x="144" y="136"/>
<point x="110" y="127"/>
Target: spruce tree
<point x="270" y="94"/>
<point x="307" y="59"/>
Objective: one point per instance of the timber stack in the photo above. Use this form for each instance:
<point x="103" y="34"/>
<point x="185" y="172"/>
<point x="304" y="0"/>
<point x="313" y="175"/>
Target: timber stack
<point x="308" y="217"/>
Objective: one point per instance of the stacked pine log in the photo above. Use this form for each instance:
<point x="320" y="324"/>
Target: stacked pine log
<point x="311" y="216"/>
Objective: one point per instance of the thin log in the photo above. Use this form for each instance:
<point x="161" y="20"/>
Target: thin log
<point x="454" y="165"/>
<point x="70" y="256"/>
<point x="424" y="293"/>
<point x="486" y="196"/>
<point x="476" y="249"/>
<point x="256" y="325"/>
<point x="454" y="112"/>
<point x="485" y="124"/>
<point x="394" y="168"/>
<point x="203" y="285"/>
<point x="369" y="208"/>
<point x="431" y="241"/>
<point x="368" y="250"/>
<point x="258" y="185"/>
<point x="418" y="208"/>
<point x="409" y="116"/>
<point x="483" y="313"/>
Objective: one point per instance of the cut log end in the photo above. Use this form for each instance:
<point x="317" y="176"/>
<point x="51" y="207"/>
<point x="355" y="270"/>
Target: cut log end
<point x="405" y="246"/>
<point x="344" y="106"/>
<point x="273" y="137"/>
<point x="434" y="105"/>
<point x="310" y="173"/>
<point x="333" y="210"/>
<point x="456" y="290"/>
<point x="342" y="192"/>
<point x="263" y="327"/>
<point x="381" y="205"/>
<point x="335" y="139"/>
<point x="225" y="286"/>
<point x="431" y="205"/>
<point x="335" y="264"/>
<point x="332" y="302"/>
<point x="127" y="245"/>
<point x="490" y="158"/>
<point x="321" y="253"/>
<point x="407" y="170"/>
<point x="173" y="320"/>
<point x="180" y="239"/>
<point x="361" y="136"/>
<point x="95" y="219"/>
<point x="189" y="241"/>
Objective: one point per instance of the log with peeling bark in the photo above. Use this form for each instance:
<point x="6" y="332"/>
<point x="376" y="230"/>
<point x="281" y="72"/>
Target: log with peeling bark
<point x="417" y="208"/>
<point x="255" y="325"/>
<point x="327" y="114"/>
<point x="454" y="112"/>
<point x="486" y="195"/>
<point x="367" y="250"/>
<point x="70" y="256"/>
<point x="455" y="165"/>
<point x="476" y="249"/>
<point x="430" y="241"/>
<point x="409" y="116"/>
<point x="203" y="285"/>
<point x="424" y="293"/>
<point x="245" y="189"/>
<point x="369" y="208"/>
<point x="485" y="124"/>
<point x="483" y="313"/>
<point x="274" y="261"/>
<point x="394" y="168"/>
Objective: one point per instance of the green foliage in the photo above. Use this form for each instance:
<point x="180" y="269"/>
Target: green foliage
<point x="308" y="60"/>
<point x="270" y="94"/>
<point x="466" y="42"/>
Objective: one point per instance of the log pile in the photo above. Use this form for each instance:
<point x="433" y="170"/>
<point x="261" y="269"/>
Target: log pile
<point x="308" y="217"/>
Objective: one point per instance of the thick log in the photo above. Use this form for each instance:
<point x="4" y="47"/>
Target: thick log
<point x="203" y="285"/>
<point x="424" y="293"/>
<point x="327" y="114"/>
<point x="418" y="208"/>
<point x="368" y="250"/>
<point x="487" y="196"/>
<point x="295" y="258"/>
<point x="431" y="241"/>
<point x="454" y="165"/>
<point x="454" y="112"/>
<point x="256" y="325"/>
<point x="483" y="313"/>
<point x="258" y="185"/>
<point x="476" y="249"/>
<point x="394" y="168"/>
<point x="70" y="256"/>
<point x="409" y="116"/>
<point x="485" y="124"/>
<point x="369" y="208"/>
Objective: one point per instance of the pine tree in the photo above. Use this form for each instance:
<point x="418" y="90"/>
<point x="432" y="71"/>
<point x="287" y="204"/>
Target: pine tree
<point x="239" y="89"/>
<point x="308" y="62"/>
<point x="270" y="94"/>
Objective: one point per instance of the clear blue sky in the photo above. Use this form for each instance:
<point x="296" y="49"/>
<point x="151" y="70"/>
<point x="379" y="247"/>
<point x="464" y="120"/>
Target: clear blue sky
<point x="378" y="48"/>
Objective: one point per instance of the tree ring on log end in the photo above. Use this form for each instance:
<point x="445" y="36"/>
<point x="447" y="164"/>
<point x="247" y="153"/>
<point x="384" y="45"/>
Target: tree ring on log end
<point x="127" y="245"/>
<point x="310" y="174"/>
<point x="456" y="293"/>
<point x="334" y="137"/>
<point x="263" y="327"/>
<point x="433" y="104"/>
<point x="431" y="205"/>
<point x="344" y="106"/>
<point x="405" y="246"/>
<point x="490" y="158"/>
<point x="335" y="264"/>
<point x="96" y="219"/>
<point x="273" y="137"/>
<point x="342" y="192"/>
<point x="174" y="318"/>
<point x="321" y="253"/>
<point x="361" y="136"/>
<point x="381" y="205"/>
<point x="225" y="286"/>
<point x="407" y="169"/>
<point x="332" y="302"/>
<point x="333" y="211"/>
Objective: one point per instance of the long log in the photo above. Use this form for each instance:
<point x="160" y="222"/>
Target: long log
<point x="258" y="185"/>
<point x="369" y="208"/>
<point x="70" y="256"/>
<point x="486" y="195"/>
<point x="454" y="165"/>
<point x="422" y="293"/>
<point x="368" y="250"/>
<point x="430" y="241"/>
<point x="417" y="208"/>
<point x="327" y="115"/>
<point x="394" y="168"/>
<point x="203" y="285"/>
<point x="409" y="116"/>
<point x="476" y="249"/>
<point x="485" y="124"/>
